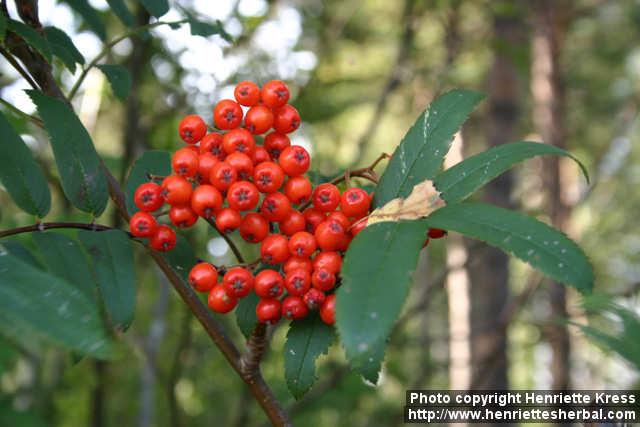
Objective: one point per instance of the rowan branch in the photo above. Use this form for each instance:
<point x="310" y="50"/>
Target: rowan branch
<point x="41" y="71"/>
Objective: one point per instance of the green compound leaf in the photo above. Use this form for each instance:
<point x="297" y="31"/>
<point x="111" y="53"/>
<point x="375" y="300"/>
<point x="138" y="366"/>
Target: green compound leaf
<point x="119" y="79"/>
<point x="307" y="339"/>
<point x="62" y="256"/>
<point x="534" y="242"/>
<point x="206" y="29"/>
<point x="460" y="181"/>
<point x="376" y="276"/>
<point x="20" y="174"/>
<point x="246" y="317"/>
<point x="422" y="150"/>
<point x="62" y="46"/>
<point x="154" y="162"/>
<point x="112" y="258"/>
<point x="32" y="37"/>
<point x="83" y="179"/>
<point x="43" y="306"/>
<point x="156" y="8"/>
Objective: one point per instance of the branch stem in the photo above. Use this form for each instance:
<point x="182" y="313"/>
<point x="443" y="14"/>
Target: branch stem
<point x="227" y="239"/>
<point x="42" y="226"/>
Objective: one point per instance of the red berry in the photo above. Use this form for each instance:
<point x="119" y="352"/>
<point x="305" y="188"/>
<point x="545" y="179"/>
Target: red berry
<point x="192" y="128"/>
<point x="355" y="202"/>
<point x="436" y="233"/>
<point x="242" y="163"/>
<point x="298" y="189"/>
<point x="176" y="190"/>
<point x="328" y="310"/>
<point x="242" y="196"/>
<point x="223" y="175"/>
<point x="302" y="244"/>
<point x="332" y="261"/>
<point x="203" y="277"/>
<point x="314" y="298"/>
<point x="148" y="197"/>
<point x="323" y="279"/>
<point x="212" y="143"/>
<point x="247" y="93"/>
<point x="269" y="284"/>
<point x="295" y="263"/>
<point x="227" y="220"/>
<point x="275" y="143"/>
<point x="297" y="282"/>
<point x="274" y="94"/>
<point x="206" y="200"/>
<point x="313" y="217"/>
<point x="286" y="119"/>
<point x="341" y="218"/>
<point x="185" y="162"/>
<point x="238" y="282"/>
<point x="274" y="249"/>
<point x="294" y="160"/>
<point x="254" y="228"/>
<point x="261" y="155"/>
<point x="164" y="239"/>
<point x="143" y="224"/>
<point x="358" y="226"/>
<point x="326" y="197"/>
<point x="182" y="216"/>
<point x="268" y="310"/>
<point x="292" y="223"/>
<point x="275" y="207"/>
<point x="293" y="307"/>
<point x="219" y="301"/>
<point x="268" y="177"/>
<point x="227" y="114"/>
<point x="238" y="140"/>
<point x="258" y="119"/>
<point x="206" y="162"/>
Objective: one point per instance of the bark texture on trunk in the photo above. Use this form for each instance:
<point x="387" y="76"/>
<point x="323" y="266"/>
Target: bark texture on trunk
<point x="550" y="23"/>
<point x="490" y="274"/>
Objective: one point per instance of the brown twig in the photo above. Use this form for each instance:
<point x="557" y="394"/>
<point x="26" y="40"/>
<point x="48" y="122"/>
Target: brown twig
<point x="256" y="346"/>
<point x="227" y="239"/>
<point x="366" y="173"/>
<point x="42" y="226"/>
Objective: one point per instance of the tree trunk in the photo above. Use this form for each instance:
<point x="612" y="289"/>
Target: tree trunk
<point x="549" y="119"/>
<point x="490" y="274"/>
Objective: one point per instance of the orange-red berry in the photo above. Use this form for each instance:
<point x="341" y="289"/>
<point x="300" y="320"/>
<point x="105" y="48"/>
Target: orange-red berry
<point x="192" y="128"/>
<point x="219" y="301"/>
<point x="143" y="224"/>
<point x="203" y="277"/>
<point x="227" y="114"/>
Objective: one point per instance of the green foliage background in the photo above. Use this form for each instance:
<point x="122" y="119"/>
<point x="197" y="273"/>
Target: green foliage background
<point x="168" y="369"/>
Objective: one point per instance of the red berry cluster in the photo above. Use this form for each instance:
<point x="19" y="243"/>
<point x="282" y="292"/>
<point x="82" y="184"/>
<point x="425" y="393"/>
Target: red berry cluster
<point x="256" y="186"/>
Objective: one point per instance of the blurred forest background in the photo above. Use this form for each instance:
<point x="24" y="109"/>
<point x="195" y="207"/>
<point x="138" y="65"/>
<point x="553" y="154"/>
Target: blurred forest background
<point x="564" y="72"/>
